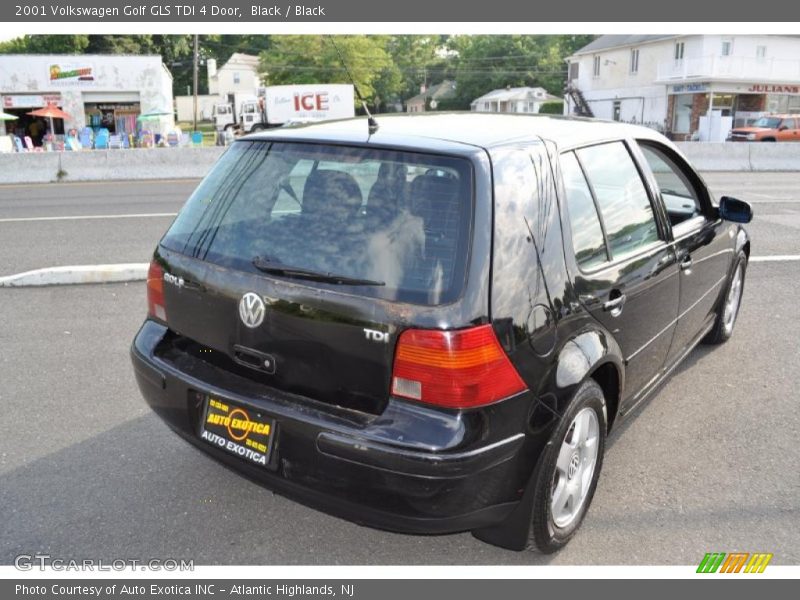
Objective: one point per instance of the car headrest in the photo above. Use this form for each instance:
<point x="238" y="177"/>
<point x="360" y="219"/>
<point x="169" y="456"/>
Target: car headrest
<point x="392" y="172"/>
<point x="387" y="194"/>
<point x="433" y="195"/>
<point x="331" y="193"/>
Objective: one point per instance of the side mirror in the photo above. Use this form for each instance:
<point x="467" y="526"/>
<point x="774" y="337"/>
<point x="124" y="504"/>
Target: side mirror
<point x="783" y="128"/>
<point x="732" y="209"/>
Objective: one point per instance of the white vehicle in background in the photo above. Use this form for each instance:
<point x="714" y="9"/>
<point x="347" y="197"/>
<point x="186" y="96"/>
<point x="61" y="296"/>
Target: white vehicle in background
<point x="276" y="105"/>
<point x="226" y="114"/>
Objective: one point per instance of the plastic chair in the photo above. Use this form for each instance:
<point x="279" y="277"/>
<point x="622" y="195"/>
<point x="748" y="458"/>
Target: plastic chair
<point x="73" y="144"/>
<point x="29" y="145"/>
<point x="18" y="144"/>
<point x="186" y="139"/>
<point x="197" y="138"/>
<point x="145" y="139"/>
<point x="115" y="142"/>
<point x="173" y="139"/>
<point x="86" y="136"/>
<point x="101" y="140"/>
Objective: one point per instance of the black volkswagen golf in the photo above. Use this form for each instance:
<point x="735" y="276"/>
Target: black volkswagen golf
<point x="433" y="327"/>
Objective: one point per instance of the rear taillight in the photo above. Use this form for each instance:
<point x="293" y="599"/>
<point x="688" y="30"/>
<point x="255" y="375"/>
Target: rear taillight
<point x="155" y="292"/>
<point x="454" y="369"/>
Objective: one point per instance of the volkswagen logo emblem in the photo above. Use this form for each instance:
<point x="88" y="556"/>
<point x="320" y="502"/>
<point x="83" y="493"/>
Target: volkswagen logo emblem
<point x="252" y="310"/>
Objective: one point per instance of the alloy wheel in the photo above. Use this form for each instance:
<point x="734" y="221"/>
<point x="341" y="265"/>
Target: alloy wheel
<point x="575" y="466"/>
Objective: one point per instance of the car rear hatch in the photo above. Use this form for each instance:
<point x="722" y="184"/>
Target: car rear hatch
<point x="297" y="265"/>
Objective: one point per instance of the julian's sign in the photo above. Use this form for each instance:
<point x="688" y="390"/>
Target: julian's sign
<point x="761" y="88"/>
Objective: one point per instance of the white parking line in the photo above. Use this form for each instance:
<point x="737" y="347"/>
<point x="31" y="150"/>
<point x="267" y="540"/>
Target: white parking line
<point x="79" y="217"/>
<point x="775" y="258"/>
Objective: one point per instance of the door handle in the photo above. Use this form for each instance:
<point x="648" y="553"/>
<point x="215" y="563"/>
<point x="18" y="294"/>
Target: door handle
<point x="615" y="303"/>
<point x="686" y="263"/>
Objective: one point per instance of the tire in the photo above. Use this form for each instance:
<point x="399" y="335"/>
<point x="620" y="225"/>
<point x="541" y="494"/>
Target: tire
<point x="729" y="304"/>
<point x="552" y="529"/>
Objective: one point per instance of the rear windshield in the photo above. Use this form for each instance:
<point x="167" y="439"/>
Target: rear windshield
<point x="770" y="122"/>
<point x="397" y="220"/>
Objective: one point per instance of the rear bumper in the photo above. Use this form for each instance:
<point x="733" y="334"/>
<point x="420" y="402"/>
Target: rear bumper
<point x="410" y="469"/>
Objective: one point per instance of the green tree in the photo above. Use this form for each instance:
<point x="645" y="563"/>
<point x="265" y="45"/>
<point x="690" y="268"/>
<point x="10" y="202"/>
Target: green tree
<point x="416" y="58"/>
<point x="45" y="44"/>
<point x="313" y="59"/>
<point x="487" y="62"/>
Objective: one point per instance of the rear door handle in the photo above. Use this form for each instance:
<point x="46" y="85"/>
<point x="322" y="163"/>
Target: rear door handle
<point x="686" y="263"/>
<point x="615" y="304"/>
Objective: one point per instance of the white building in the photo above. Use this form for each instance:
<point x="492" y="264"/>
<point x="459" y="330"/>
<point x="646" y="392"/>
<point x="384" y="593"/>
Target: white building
<point x="108" y="91"/>
<point x="670" y="81"/>
<point x="431" y="96"/>
<point x="239" y="74"/>
<point x="513" y="100"/>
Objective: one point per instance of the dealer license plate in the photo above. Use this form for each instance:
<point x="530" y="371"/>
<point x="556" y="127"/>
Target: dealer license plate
<point x="238" y="430"/>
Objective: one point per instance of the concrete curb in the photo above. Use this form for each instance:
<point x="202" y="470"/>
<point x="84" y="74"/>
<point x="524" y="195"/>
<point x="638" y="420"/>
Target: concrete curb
<point x="78" y="274"/>
<point x="193" y="163"/>
<point x="107" y="165"/>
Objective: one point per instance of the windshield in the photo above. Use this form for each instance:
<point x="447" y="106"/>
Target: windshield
<point x="396" y="219"/>
<point x="769" y="122"/>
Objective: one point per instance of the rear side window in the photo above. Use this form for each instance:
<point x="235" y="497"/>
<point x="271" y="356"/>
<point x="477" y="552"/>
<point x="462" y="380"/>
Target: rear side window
<point x="587" y="233"/>
<point x="621" y="197"/>
<point x="396" y="218"/>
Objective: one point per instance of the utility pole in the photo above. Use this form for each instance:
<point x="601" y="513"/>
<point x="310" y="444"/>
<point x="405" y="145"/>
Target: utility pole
<point x="196" y="60"/>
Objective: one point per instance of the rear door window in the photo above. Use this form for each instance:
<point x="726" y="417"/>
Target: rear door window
<point x="621" y="196"/>
<point x="587" y="233"/>
<point x="399" y="220"/>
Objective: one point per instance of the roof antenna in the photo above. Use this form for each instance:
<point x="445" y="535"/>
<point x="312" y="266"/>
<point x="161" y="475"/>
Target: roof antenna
<point x="372" y="124"/>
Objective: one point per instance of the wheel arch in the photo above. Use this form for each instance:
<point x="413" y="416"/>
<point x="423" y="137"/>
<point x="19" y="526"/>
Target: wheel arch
<point x="607" y="375"/>
<point x="592" y="354"/>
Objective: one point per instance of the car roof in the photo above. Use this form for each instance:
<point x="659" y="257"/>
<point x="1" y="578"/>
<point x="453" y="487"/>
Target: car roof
<point x="483" y="130"/>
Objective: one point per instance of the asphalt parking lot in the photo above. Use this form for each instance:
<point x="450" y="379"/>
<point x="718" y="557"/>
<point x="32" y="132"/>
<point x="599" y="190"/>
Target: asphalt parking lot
<point x="709" y="464"/>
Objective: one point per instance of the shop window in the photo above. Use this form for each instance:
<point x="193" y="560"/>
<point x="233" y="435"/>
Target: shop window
<point x="116" y="117"/>
<point x="723" y="103"/>
<point x="634" y="61"/>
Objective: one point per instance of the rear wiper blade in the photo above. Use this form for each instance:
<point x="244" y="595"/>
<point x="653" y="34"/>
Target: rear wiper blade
<point x="273" y="268"/>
